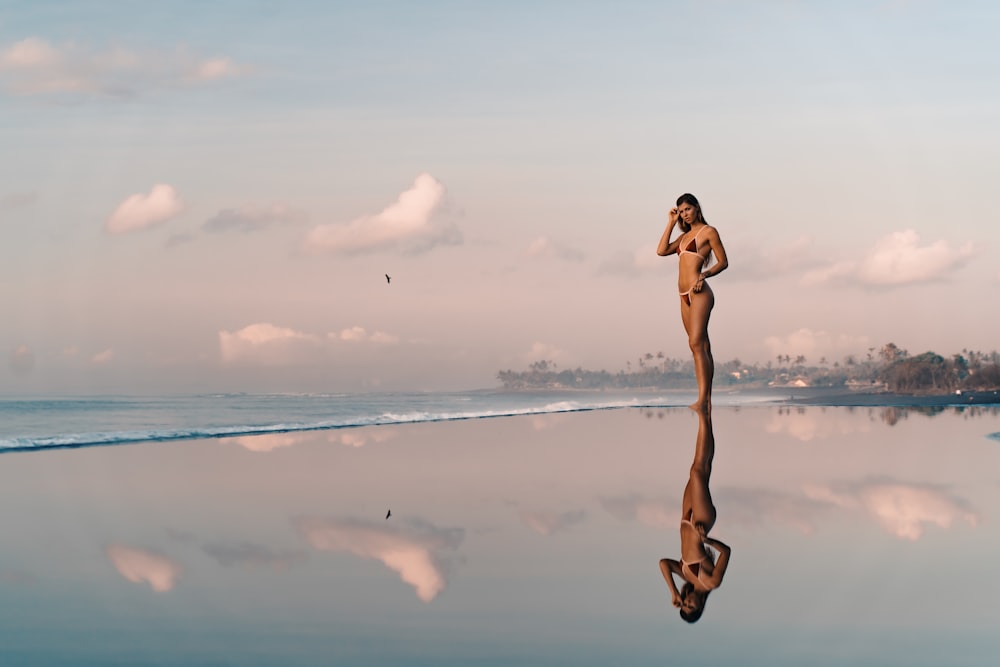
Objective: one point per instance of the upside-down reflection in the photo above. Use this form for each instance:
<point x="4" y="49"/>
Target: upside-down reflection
<point x="701" y="571"/>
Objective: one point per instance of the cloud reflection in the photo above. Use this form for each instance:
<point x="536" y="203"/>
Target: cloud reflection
<point x="265" y="442"/>
<point x="252" y="555"/>
<point x="418" y="551"/>
<point x="546" y="523"/>
<point x="142" y="566"/>
<point x="648" y="511"/>
<point x="753" y="507"/>
<point x="810" y="425"/>
<point x="902" y="509"/>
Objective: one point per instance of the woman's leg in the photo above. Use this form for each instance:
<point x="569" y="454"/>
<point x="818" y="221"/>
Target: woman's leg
<point x="697" y="493"/>
<point x="695" y="317"/>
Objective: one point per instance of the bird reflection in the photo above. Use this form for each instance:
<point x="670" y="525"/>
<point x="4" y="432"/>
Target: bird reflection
<point x="700" y="570"/>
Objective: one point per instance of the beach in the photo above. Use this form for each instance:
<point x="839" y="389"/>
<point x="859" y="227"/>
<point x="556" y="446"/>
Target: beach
<point x="526" y="539"/>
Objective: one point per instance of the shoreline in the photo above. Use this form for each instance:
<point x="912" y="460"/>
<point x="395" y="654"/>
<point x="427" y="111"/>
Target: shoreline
<point x="816" y="396"/>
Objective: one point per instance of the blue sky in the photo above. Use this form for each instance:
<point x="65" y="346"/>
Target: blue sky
<point x="844" y="151"/>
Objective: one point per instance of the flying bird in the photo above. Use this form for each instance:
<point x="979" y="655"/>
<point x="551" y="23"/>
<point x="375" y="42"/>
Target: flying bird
<point x="387" y="278"/>
<point x="388" y="514"/>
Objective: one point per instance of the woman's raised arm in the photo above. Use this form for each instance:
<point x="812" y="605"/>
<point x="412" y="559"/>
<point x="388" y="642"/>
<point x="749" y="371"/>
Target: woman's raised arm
<point x="666" y="247"/>
<point x="667" y="567"/>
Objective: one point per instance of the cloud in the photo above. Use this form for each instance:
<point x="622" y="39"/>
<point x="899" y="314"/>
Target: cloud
<point x="103" y="357"/>
<point x="141" y="566"/>
<point x="265" y="442"/>
<point x="543" y="422"/>
<point x="140" y="211"/>
<point x="753" y="507"/>
<point x="762" y="262"/>
<point x="544" y="352"/>
<point x="252" y="555"/>
<point x="361" y="335"/>
<point x="814" y="345"/>
<point x="214" y="69"/>
<point x="812" y="425"/>
<point x="894" y="260"/>
<point x="651" y="512"/>
<point x="546" y="523"/>
<point x="544" y="247"/>
<point x="21" y="360"/>
<point x="404" y="225"/>
<point x="33" y="66"/>
<point x="902" y="509"/>
<point x="418" y="552"/>
<point x="631" y="265"/>
<point x="354" y="438"/>
<point x="15" y="200"/>
<point x="265" y="343"/>
<point x="252" y="218"/>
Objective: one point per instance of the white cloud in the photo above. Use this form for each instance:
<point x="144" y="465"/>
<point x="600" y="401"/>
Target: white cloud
<point x="896" y="259"/>
<point x="361" y="335"/>
<point x="103" y="357"/>
<point x="405" y="225"/>
<point x="21" y="360"/>
<point x="770" y="260"/>
<point x="545" y="352"/>
<point x="33" y="66"/>
<point x="546" y="522"/>
<point x="253" y="217"/>
<point x="140" y="210"/>
<point x="902" y="509"/>
<point x="814" y="345"/>
<point x="544" y="247"/>
<point x="641" y="261"/>
<point x="141" y="566"/>
<point x="263" y="342"/>
<point x="418" y="552"/>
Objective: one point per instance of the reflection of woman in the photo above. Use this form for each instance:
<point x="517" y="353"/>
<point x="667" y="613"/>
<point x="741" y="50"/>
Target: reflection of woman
<point x="701" y="574"/>
<point x="697" y="241"/>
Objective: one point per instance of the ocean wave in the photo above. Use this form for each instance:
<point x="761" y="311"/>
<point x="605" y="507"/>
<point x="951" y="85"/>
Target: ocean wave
<point x="104" y="438"/>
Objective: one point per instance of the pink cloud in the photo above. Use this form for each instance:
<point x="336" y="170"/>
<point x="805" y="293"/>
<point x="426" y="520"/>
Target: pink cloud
<point x="144" y="210"/>
<point x="405" y="224"/>
<point x="142" y="566"/>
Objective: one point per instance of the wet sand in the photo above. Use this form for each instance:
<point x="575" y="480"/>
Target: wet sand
<point x="520" y="540"/>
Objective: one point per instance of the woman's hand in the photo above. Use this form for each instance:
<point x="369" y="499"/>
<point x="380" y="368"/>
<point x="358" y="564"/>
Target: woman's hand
<point x="677" y="601"/>
<point x="699" y="283"/>
<point x="675" y="215"/>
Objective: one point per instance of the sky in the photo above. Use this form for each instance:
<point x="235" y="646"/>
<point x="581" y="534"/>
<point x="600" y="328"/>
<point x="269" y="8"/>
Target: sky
<point x="208" y="196"/>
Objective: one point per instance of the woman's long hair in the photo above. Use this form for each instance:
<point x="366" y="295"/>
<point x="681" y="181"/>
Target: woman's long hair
<point x="695" y="614"/>
<point x="688" y="198"/>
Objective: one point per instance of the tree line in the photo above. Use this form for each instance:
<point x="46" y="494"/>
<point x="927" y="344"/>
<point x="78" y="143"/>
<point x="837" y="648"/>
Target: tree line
<point x="889" y="367"/>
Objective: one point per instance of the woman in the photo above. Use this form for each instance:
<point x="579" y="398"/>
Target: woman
<point x="701" y="574"/>
<point x="697" y="241"/>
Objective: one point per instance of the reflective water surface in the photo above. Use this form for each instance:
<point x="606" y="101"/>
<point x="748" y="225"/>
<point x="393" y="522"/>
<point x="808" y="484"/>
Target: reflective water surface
<point x="864" y="536"/>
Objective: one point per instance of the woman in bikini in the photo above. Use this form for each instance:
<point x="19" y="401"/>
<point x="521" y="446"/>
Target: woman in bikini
<point x="700" y="573"/>
<point x="697" y="241"/>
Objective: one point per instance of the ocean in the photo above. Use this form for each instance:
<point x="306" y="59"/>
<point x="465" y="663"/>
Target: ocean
<point x="43" y="423"/>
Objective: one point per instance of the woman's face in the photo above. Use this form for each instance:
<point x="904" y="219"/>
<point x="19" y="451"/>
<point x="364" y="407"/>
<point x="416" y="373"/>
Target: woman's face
<point x="688" y="213"/>
<point x="691" y="602"/>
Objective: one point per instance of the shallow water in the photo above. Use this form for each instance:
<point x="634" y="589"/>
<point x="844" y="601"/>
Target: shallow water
<point x="859" y="536"/>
